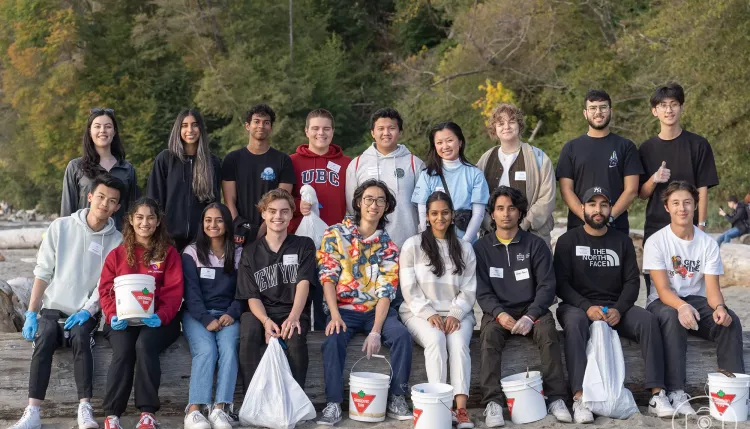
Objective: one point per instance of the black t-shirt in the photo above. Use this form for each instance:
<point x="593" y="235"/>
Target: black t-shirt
<point x="689" y="157"/>
<point x="604" y="162"/>
<point x="594" y="270"/>
<point x="255" y="175"/>
<point x="272" y="277"/>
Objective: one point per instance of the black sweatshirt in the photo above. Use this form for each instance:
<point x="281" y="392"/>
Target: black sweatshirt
<point x="738" y="219"/>
<point x="517" y="279"/>
<point x="597" y="270"/>
<point x="171" y="184"/>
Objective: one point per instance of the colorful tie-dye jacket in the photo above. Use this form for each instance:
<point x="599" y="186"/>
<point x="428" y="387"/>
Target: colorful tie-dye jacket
<point x="363" y="269"/>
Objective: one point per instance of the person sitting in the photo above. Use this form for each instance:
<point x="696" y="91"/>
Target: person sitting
<point x="685" y="264"/>
<point x="438" y="280"/>
<point x="146" y="249"/>
<point x="358" y="268"/>
<point x="598" y="279"/>
<point x="738" y="220"/>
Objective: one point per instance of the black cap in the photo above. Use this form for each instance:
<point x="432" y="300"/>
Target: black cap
<point x="592" y="192"/>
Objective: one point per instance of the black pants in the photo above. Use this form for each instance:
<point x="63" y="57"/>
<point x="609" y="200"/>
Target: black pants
<point x="636" y="324"/>
<point x="728" y="339"/>
<point x="136" y="349"/>
<point x="320" y="309"/>
<point x="493" y="338"/>
<point x="253" y="345"/>
<point x="49" y="338"/>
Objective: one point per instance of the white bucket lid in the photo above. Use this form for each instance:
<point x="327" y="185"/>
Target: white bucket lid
<point x="369" y="377"/>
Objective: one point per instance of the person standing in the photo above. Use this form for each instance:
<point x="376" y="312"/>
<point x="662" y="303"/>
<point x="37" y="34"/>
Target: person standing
<point x="249" y="172"/>
<point x="103" y="152"/>
<point x="522" y="166"/>
<point x="599" y="158"/>
<point x="185" y="178"/>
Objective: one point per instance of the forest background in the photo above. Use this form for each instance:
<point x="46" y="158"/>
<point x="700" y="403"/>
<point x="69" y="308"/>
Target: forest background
<point x="433" y="60"/>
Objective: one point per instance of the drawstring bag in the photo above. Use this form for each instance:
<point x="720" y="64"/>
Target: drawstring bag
<point x="311" y="225"/>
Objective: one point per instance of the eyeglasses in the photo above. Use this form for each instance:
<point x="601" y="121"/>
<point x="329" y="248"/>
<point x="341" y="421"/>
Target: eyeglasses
<point x="379" y="202"/>
<point x="603" y="108"/>
<point x="101" y="110"/>
<point x="671" y="106"/>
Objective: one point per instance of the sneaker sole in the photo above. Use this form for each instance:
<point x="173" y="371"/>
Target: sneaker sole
<point x="465" y="425"/>
<point x="564" y="419"/>
<point x="397" y="417"/>
<point x="318" y="422"/>
<point x="664" y="414"/>
<point x="494" y="425"/>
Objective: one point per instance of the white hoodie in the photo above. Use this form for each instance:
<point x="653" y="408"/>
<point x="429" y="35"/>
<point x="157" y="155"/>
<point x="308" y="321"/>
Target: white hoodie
<point x="400" y="171"/>
<point x="70" y="260"/>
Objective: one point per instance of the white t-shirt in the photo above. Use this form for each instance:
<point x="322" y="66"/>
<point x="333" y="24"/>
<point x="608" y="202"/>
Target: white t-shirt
<point x="686" y="262"/>
<point x="507" y="160"/>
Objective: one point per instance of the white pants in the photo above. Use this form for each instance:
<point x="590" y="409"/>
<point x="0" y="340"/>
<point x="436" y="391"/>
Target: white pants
<point x="438" y="348"/>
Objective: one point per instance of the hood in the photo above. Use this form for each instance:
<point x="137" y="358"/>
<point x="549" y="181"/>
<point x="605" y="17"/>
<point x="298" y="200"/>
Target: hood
<point x="351" y="229"/>
<point x="400" y="152"/>
<point x="80" y="218"/>
<point x="334" y="151"/>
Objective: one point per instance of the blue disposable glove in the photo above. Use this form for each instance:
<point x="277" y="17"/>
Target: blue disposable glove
<point x="30" y="326"/>
<point x="117" y="324"/>
<point x="152" y="321"/>
<point x="77" y="319"/>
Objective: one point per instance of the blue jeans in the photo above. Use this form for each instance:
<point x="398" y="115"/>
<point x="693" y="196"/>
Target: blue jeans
<point x="727" y="236"/>
<point x="207" y="348"/>
<point x="394" y="335"/>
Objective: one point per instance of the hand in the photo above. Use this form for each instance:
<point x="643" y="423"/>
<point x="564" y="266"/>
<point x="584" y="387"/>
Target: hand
<point x="272" y="329"/>
<point x="722" y="317"/>
<point x="523" y="326"/>
<point x="612" y="317"/>
<point x="722" y="212"/>
<point x="437" y="322"/>
<point x="595" y="313"/>
<point x="226" y="320"/>
<point x="117" y="324"/>
<point x="451" y="325"/>
<point x="287" y="328"/>
<point x="214" y="326"/>
<point x="335" y="325"/>
<point x="506" y="321"/>
<point x="663" y="174"/>
<point x="77" y="319"/>
<point x="152" y="321"/>
<point x="305" y="208"/>
<point x="688" y="316"/>
<point x="372" y="344"/>
<point x="30" y="325"/>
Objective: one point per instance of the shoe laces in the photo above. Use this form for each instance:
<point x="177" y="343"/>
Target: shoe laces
<point x="493" y="409"/>
<point x="86" y="412"/>
<point x="26" y="415"/>
<point x="679" y="397"/>
<point x="112" y="422"/>
<point x="558" y="405"/>
<point x="196" y="416"/>
<point x="331" y="410"/>
<point x="147" y="419"/>
<point x="399" y="402"/>
<point x="579" y="405"/>
<point x="220" y="415"/>
<point x="462" y="414"/>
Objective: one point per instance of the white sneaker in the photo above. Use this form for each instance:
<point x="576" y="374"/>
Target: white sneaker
<point x="86" y="417"/>
<point x="560" y="411"/>
<point x="29" y="420"/>
<point x="494" y="414"/>
<point x="659" y="406"/>
<point x="219" y="419"/>
<point x="581" y="413"/>
<point x="681" y="403"/>
<point x="196" y="420"/>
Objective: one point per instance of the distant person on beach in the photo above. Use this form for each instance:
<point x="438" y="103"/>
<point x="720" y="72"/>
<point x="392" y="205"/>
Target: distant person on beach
<point x="738" y="220"/>
<point x="103" y="152"/>
<point x="685" y="264"/>
<point x="69" y="264"/>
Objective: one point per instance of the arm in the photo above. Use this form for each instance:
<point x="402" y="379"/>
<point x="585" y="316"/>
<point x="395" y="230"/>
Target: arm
<point x="106" y="286"/>
<point x="381" y="312"/>
<point x="92" y="304"/>
<point x="702" y="205"/>
<point x="193" y="293"/>
<point x="463" y="303"/>
<point x="388" y="271"/>
<point x="627" y="196"/>
<point x="229" y="188"/>
<point x="570" y="197"/>
<point x="477" y="215"/>
<point x="713" y="290"/>
<point x="422" y="210"/>
<point x="69" y="202"/>
<point x="351" y="185"/>
<point x="37" y="292"/>
<point x="541" y="209"/>
<point x="488" y="301"/>
<point x="564" y="252"/>
<point x="414" y="297"/>
<point x="169" y="296"/>
<point x="156" y="187"/>
<point x="631" y="279"/>
<point x="329" y="268"/>
<point x="45" y="266"/>
<point x="544" y="276"/>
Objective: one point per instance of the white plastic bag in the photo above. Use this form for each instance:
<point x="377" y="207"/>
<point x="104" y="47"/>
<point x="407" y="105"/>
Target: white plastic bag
<point x="311" y="225"/>
<point x="604" y="392"/>
<point x="274" y="399"/>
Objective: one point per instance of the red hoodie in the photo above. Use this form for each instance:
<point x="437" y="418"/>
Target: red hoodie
<point x="327" y="175"/>
<point x="168" y="274"/>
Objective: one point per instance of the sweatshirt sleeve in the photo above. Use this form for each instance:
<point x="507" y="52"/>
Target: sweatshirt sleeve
<point x="329" y="257"/>
<point x="541" y="209"/>
<point x="193" y="294"/>
<point x="414" y="297"/>
<point x="388" y="275"/>
<point x="169" y="295"/>
<point x="69" y="202"/>
<point x="47" y="256"/>
<point x="351" y="184"/>
<point x="157" y="181"/>
<point x="563" y="270"/>
<point x="488" y="300"/>
<point x="631" y="279"/>
<point x="463" y="303"/>
<point x="92" y="304"/>
<point x="106" y="285"/>
<point x="544" y="275"/>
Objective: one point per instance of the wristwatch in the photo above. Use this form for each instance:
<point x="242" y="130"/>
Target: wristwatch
<point x="611" y="220"/>
<point x="721" y="305"/>
<point x="703" y="224"/>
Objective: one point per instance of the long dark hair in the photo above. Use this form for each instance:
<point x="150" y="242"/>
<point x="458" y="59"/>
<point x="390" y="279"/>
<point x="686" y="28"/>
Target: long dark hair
<point x="90" y="159"/>
<point x="390" y="201"/>
<point x="160" y="241"/>
<point x="434" y="163"/>
<point x="203" y="242"/>
<point x="203" y="174"/>
<point x="430" y="245"/>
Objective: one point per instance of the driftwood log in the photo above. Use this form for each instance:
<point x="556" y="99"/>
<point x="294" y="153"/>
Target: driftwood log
<point x="15" y="354"/>
<point x="23" y="238"/>
<point x="736" y="259"/>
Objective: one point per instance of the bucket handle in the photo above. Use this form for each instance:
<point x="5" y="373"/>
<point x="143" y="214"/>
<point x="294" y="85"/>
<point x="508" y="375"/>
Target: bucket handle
<point x="390" y="374"/>
<point x="437" y="401"/>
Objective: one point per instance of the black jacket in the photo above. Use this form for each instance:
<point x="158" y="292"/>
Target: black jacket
<point x="517" y="279"/>
<point x="171" y="184"/>
<point x="739" y="219"/>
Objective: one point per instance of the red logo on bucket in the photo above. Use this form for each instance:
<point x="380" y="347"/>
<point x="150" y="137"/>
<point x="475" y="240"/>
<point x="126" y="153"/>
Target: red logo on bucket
<point x="417" y="413"/>
<point x="144" y="298"/>
<point x="722" y="401"/>
<point x="510" y="406"/>
<point x="362" y="401"/>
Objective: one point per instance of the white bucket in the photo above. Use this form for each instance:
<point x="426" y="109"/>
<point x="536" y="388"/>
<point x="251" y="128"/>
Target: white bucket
<point x="525" y="397"/>
<point x="728" y="396"/>
<point x="134" y="297"/>
<point x="432" y="405"/>
<point x="368" y="394"/>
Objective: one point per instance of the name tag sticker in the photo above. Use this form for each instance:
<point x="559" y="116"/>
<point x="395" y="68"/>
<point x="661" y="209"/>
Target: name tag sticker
<point x="290" y="259"/>
<point x="373" y="271"/>
<point x="333" y="167"/>
<point x="373" y="171"/>
<point x="496" y="272"/>
<point x="208" y="273"/>
<point x="583" y="251"/>
<point x="520" y="175"/>
<point x="522" y="274"/>
<point x="96" y="248"/>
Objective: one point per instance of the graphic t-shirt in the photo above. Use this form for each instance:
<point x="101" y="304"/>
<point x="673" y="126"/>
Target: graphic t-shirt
<point x="272" y="277"/>
<point x="689" y="157"/>
<point x="686" y="262"/>
<point x="255" y="175"/>
<point x="604" y="162"/>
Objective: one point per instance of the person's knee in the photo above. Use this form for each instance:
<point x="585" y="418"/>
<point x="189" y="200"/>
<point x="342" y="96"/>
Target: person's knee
<point x="334" y="342"/>
<point x="46" y="339"/>
<point x="145" y="347"/>
<point x="80" y="338"/>
<point x="666" y="315"/>
<point x="433" y="339"/>
<point x="492" y="336"/>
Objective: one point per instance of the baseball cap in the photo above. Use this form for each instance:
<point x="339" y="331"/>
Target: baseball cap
<point x="592" y="192"/>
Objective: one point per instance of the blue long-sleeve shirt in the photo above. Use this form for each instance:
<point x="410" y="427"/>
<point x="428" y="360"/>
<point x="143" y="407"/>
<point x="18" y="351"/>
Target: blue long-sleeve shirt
<point x="208" y="287"/>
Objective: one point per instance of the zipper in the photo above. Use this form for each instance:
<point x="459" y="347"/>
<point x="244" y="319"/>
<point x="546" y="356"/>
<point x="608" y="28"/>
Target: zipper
<point x="507" y="253"/>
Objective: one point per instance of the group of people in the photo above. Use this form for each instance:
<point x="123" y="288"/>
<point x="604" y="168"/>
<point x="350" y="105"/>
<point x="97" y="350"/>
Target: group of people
<point x="411" y="248"/>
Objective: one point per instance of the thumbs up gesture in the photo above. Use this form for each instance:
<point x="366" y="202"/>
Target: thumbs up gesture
<point x="662" y="174"/>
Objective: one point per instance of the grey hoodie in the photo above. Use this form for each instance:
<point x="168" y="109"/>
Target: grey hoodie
<point x="70" y="260"/>
<point x="400" y="171"/>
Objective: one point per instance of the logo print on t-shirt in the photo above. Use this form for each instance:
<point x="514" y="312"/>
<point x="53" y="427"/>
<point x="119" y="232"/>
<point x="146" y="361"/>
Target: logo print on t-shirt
<point x="268" y="174"/>
<point x="399" y="173"/>
<point x="685" y="269"/>
<point x="602" y="258"/>
<point x="613" y="160"/>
